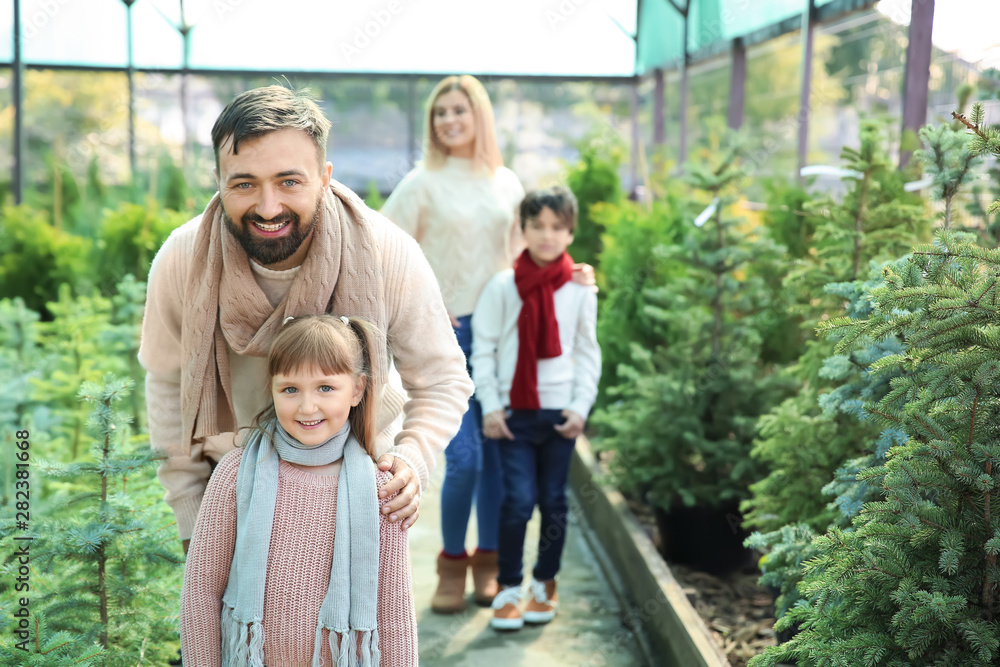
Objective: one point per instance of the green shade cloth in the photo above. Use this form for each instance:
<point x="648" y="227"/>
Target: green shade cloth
<point x="713" y="24"/>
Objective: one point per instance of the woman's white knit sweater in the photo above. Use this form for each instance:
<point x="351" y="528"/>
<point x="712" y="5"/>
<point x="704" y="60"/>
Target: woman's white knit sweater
<point x="465" y="222"/>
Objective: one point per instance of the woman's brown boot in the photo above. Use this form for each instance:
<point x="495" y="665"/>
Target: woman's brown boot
<point x="449" y="598"/>
<point x="484" y="576"/>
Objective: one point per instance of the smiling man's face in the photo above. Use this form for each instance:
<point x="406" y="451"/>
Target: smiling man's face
<point x="272" y="194"/>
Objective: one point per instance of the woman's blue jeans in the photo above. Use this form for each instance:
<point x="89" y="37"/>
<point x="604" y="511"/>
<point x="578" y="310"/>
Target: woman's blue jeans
<point x="472" y="473"/>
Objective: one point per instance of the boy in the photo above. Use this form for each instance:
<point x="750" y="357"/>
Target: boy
<point x="535" y="362"/>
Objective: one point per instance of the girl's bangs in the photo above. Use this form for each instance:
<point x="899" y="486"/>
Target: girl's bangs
<point x="317" y="349"/>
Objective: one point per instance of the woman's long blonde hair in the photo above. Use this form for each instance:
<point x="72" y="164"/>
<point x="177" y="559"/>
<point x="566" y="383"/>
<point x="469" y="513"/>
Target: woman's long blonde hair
<point x="334" y="347"/>
<point x="486" y="154"/>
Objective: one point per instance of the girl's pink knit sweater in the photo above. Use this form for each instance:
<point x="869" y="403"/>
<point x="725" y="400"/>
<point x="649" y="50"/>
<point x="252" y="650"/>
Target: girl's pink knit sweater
<point x="298" y="571"/>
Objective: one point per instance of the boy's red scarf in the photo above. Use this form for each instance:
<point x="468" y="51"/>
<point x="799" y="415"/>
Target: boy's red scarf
<point x="537" y="329"/>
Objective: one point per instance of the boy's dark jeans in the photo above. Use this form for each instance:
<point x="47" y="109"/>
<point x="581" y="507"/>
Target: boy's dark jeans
<point x="535" y="470"/>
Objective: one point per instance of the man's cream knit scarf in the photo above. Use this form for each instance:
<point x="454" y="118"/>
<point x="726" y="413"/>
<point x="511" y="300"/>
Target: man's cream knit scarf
<point x="225" y="307"/>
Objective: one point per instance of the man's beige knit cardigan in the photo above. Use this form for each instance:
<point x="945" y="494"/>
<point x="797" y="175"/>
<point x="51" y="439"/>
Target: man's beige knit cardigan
<point x="424" y="352"/>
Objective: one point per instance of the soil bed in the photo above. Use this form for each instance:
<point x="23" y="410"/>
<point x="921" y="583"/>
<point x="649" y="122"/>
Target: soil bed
<point x="738" y="612"/>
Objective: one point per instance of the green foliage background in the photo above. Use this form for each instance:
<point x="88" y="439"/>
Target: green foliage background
<point x="93" y="492"/>
<point x="72" y="278"/>
<point x="714" y="383"/>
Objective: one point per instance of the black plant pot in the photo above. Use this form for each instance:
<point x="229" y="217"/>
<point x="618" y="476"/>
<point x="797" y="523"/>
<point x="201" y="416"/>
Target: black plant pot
<point x="787" y="634"/>
<point x="706" y="538"/>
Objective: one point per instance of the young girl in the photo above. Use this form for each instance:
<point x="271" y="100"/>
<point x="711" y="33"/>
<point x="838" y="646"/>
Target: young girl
<point x="266" y="583"/>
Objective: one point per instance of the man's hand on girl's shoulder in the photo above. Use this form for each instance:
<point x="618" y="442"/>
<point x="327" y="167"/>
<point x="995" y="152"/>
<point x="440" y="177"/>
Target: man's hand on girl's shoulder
<point x="405" y="506"/>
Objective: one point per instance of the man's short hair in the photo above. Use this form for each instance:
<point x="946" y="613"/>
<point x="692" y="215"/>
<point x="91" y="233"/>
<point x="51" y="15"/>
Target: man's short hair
<point x="559" y="198"/>
<point x="262" y="110"/>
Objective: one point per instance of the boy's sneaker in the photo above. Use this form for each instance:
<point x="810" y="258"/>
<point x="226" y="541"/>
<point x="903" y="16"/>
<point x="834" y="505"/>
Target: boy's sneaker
<point x="542" y="603"/>
<point x="506" y="615"/>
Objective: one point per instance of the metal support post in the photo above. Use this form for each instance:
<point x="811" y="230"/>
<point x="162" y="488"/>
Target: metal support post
<point x="808" y="23"/>
<point x="17" y="178"/>
<point x="737" y="85"/>
<point x="918" y="70"/>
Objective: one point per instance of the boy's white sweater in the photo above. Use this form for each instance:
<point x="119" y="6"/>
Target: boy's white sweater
<point x="568" y="381"/>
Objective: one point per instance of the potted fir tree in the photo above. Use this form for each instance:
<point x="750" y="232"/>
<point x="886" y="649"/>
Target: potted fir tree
<point x="685" y="405"/>
<point x="915" y="581"/>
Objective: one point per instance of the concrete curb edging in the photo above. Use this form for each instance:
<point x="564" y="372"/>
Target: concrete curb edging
<point x="672" y="632"/>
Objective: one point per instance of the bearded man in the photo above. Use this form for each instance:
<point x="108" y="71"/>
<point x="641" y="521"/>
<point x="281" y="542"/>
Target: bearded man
<point x="282" y="239"/>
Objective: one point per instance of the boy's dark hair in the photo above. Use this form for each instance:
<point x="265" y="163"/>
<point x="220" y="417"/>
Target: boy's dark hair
<point x="558" y="198"/>
<point x="262" y="110"/>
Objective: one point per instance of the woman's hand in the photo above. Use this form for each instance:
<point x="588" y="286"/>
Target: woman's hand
<point x="583" y="274"/>
<point x="455" y="324"/>
<point x="495" y="426"/>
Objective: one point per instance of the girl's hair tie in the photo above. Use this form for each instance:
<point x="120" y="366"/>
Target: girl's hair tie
<point x="287" y="320"/>
<point x="343" y="318"/>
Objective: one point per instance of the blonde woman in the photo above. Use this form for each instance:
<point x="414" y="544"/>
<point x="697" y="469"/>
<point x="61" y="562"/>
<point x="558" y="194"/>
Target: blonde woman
<point x="460" y="205"/>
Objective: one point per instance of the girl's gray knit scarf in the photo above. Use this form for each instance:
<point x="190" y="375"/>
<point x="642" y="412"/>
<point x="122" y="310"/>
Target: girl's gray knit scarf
<point x="349" y="608"/>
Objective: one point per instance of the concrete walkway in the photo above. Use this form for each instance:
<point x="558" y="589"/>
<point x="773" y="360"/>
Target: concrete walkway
<point x="587" y="632"/>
